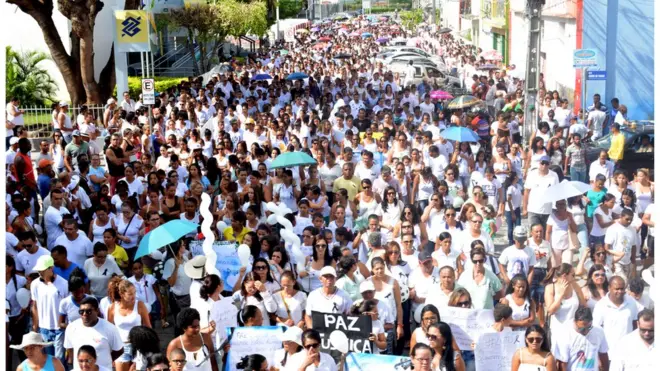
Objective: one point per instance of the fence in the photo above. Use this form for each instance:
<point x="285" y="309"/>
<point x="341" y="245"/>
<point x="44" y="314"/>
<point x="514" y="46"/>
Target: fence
<point x="40" y="123"/>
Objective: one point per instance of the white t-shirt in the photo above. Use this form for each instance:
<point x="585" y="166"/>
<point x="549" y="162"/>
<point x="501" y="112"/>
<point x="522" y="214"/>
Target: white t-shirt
<point x="621" y="238"/>
<point x="77" y="250"/>
<point x="100" y="276"/>
<point x="541" y="253"/>
<point x="578" y="351"/>
<point x="340" y="302"/>
<point x="596" y="230"/>
<point x="559" y="237"/>
<point x="516" y="197"/>
<point x="633" y="354"/>
<point x="327" y="363"/>
<point x="422" y="284"/>
<point x="69" y="309"/>
<point x="52" y="220"/>
<point x="25" y="261"/>
<point x="517" y="261"/>
<point x="615" y="321"/>
<point x="20" y="281"/>
<point x="182" y="285"/>
<point x="103" y="336"/>
<point x="144" y="288"/>
<point x="296" y="305"/>
<point x="537" y="184"/>
<point x="654" y="218"/>
<point x="48" y="298"/>
<point x="466" y="240"/>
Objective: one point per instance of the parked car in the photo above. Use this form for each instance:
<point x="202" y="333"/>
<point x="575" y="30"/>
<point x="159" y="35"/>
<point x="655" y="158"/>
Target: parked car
<point x="416" y="58"/>
<point x="632" y="159"/>
<point x="431" y="73"/>
<point x="408" y="49"/>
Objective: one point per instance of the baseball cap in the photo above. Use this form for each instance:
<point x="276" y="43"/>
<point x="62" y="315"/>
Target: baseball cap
<point x="112" y="101"/>
<point x="367" y="286"/>
<point x="64" y="104"/>
<point x="13" y="140"/>
<point x="424" y="256"/>
<point x="76" y="133"/>
<point x="328" y="271"/>
<point x="44" y="162"/>
<point x="44" y="262"/>
<point x="544" y="158"/>
<point x="520" y="233"/>
<point x="294" y="334"/>
<point x="195" y="146"/>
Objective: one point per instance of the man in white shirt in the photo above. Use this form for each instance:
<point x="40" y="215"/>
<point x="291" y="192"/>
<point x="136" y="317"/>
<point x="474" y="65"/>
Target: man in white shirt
<point x="616" y="313"/>
<point x="581" y="346"/>
<point x="327" y="298"/>
<point x="518" y="258"/>
<point x="78" y="246"/>
<point x="635" y="350"/>
<point x="46" y="293"/>
<point x="602" y="166"/>
<point x="53" y="217"/>
<point x="367" y="169"/>
<point x="538" y="181"/>
<point x="596" y="119"/>
<point x="438" y="162"/>
<point x="96" y="332"/>
<point x="621" y="238"/>
<point x="27" y="258"/>
<point x="127" y="104"/>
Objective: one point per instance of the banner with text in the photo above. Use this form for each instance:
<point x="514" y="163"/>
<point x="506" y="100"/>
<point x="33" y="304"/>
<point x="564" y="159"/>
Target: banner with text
<point x="494" y="351"/>
<point x="228" y="263"/>
<point x="243" y="341"/>
<point x="357" y="330"/>
<point x="224" y="313"/>
<point x="376" y="362"/>
<point x="466" y="324"/>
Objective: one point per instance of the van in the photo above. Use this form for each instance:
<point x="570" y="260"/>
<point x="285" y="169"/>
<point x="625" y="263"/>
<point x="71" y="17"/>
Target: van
<point x="432" y="74"/>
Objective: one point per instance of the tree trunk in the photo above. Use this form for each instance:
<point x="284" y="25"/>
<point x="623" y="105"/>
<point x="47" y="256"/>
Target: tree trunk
<point x="108" y="79"/>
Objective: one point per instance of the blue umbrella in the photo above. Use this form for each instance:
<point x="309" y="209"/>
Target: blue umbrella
<point x="166" y="234"/>
<point x="367" y="34"/>
<point x="262" y="76"/>
<point x="290" y="159"/>
<point x="460" y="134"/>
<point x="297" y="76"/>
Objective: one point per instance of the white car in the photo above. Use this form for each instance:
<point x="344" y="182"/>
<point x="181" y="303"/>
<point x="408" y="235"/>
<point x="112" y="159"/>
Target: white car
<point x="424" y="71"/>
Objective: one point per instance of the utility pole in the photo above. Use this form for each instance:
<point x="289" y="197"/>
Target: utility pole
<point x="532" y="74"/>
<point x="435" y="12"/>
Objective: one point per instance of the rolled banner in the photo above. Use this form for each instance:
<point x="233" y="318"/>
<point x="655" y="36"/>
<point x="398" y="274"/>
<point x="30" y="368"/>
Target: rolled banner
<point x="288" y="236"/>
<point x="221" y="226"/>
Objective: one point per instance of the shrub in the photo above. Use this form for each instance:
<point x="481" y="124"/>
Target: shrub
<point x="162" y="84"/>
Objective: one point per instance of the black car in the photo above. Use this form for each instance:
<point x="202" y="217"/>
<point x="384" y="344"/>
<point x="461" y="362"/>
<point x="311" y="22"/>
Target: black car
<point x="632" y="159"/>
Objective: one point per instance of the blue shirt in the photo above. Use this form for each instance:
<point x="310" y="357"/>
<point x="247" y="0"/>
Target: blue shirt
<point x="43" y="183"/>
<point x="66" y="273"/>
<point x="99" y="172"/>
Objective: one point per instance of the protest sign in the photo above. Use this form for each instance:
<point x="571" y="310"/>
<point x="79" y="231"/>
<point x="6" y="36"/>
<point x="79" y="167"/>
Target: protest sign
<point x="494" y="351"/>
<point x="357" y="330"/>
<point x="466" y="324"/>
<point x="227" y="262"/>
<point x="224" y="313"/>
<point x="264" y="340"/>
<point x="376" y="362"/>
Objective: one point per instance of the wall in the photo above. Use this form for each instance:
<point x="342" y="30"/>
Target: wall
<point x="621" y="31"/>
<point x="30" y="37"/>
<point x="451" y="14"/>
<point x="558" y="44"/>
<point x="519" y="38"/>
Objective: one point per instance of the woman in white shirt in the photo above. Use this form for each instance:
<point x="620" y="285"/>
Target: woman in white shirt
<point x="254" y="292"/>
<point x="603" y="218"/>
<point x="291" y="302"/>
<point x="513" y="201"/>
<point x="291" y="344"/>
<point x="128" y="226"/>
<point x="311" y="358"/>
<point x="389" y="210"/>
<point x="17" y="317"/>
<point x="377" y="336"/>
<point x="560" y="226"/>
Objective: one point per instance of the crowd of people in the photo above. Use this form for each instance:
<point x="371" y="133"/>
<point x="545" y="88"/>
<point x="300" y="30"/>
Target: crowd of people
<point x="395" y="221"/>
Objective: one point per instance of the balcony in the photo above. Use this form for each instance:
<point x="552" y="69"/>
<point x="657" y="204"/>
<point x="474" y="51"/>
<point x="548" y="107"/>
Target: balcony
<point x="560" y="8"/>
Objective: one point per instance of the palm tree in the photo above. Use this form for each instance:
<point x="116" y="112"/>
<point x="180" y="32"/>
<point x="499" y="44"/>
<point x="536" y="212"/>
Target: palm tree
<point x="27" y="79"/>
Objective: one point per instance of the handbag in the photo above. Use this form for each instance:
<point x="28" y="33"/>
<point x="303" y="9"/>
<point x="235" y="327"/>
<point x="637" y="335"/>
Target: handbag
<point x="126" y="229"/>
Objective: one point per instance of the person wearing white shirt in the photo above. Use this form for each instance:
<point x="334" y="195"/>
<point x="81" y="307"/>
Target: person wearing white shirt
<point x="97" y="332"/>
<point x="53" y="217"/>
<point x="580" y="346"/>
<point x="518" y="258"/>
<point x="616" y="313"/>
<point x="601" y="166"/>
<point x="127" y="104"/>
<point x="311" y="358"/>
<point x="537" y="182"/>
<point x="367" y="169"/>
<point x="620" y="238"/>
<point x="596" y="119"/>
<point x="78" y="246"/>
<point x="46" y="293"/>
<point x="635" y="350"/>
<point x="100" y="269"/>
<point x="27" y="258"/>
<point x="327" y="298"/>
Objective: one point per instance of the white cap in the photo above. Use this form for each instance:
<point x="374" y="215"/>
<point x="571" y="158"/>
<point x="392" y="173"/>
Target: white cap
<point x="44" y="262"/>
<point x="64" y="104"/>
<point x="13" y="140"/>
<point x="328" y="270"/>
<point x="293" y="333"/>
<point x="195" y="146"/>
<point x="367" y="286"/>
<point x="111" y="101"/>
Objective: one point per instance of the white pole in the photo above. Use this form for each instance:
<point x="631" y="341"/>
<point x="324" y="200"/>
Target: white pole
<point x="277" y="19"/>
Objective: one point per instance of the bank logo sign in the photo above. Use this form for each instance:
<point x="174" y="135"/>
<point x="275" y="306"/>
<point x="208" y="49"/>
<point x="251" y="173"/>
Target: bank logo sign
<point x="584" y="58"/>
<point x="131" y="31"/>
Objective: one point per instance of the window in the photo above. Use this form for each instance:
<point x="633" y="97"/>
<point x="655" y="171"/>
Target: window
<point x="418" y="72"/>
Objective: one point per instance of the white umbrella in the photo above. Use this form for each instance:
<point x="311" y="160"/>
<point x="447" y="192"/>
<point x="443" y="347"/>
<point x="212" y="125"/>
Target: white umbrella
<point x="565" y="189"/>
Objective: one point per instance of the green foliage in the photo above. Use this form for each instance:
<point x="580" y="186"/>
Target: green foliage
<point x="290" y="8"/>
<point x="162" y="84"/>
<point x="411" y="18"/>
<point x="27" y="79"/>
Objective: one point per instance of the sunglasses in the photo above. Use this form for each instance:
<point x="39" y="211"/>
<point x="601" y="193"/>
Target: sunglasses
<point x="478" y="261"/>
<point x="478" y="221"/>
<point x="535" y="340"/>
<point x="312" y="346"/>
<point x="599" y="275"/>
<point x="432" y="337"/>
<point x="545" y="163"/>
<point x="179" y="361"/>
<point x="450" y="214"/>
<point x="394" y="252"/>
<point x="259" y="267"/>
<point x="463" y="304"/>
<point x="85" y="311"/>
<point x="321" y="246"/>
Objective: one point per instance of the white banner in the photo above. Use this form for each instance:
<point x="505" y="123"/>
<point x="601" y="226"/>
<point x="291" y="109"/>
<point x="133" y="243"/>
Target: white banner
<point x="227" y="263"/>
<point x="466" y="324"/>
<point x="494" y="351"/>
<point x="264" y="340"/>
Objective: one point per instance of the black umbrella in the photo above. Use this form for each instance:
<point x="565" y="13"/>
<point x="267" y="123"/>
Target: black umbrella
<point x="343" y="56"/>
<point x="445" y="30"/>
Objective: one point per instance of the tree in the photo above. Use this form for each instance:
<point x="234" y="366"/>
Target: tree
<point x="411" y="18"/>
<point x="27" y="80"/>
<point x="76" y="66"/>
<point x="209" y="25"/>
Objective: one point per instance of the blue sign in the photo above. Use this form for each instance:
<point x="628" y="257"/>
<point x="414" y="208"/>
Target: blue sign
<point x="584" y="58"/>
<point x="597" y="75"/>
<point x="373" y="362"/>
